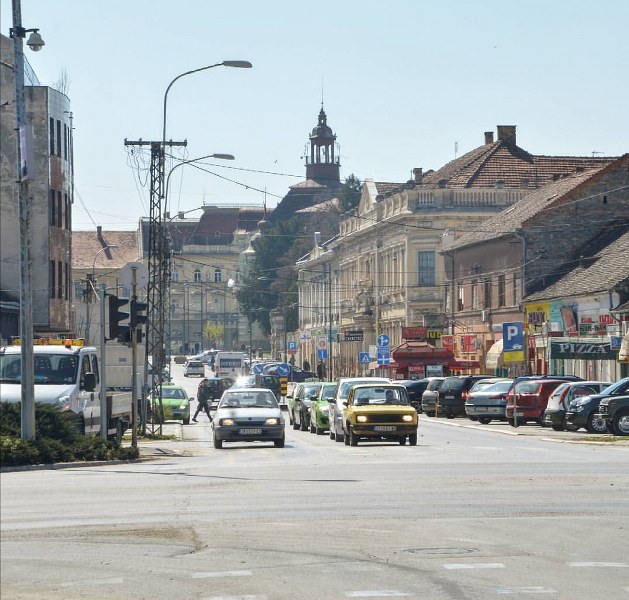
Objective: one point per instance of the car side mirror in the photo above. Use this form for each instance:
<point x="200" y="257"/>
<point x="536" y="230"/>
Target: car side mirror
<point x="345" y="403"/>
<point x="89" y="382"/>
<point x="191" y="399"/>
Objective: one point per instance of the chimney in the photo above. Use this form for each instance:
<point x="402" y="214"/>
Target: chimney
<point x="99" y="231"/>
<point x="317" y="237"/>
<point x="489" y="137"/>
<point x="418" y="174"/>
<point x="506" y="133"/>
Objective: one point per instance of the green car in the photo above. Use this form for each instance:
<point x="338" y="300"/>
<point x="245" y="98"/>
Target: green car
<point x="175" y="403"/>
<point x="319" y="421"/>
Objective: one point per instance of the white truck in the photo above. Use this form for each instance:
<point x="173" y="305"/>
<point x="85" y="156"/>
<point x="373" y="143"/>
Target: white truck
<point x="229" y="364"/>
<point x="67" y="375"/>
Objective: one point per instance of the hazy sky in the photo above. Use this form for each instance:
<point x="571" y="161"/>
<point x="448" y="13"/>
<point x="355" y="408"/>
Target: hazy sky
<point x="404" y="83"/>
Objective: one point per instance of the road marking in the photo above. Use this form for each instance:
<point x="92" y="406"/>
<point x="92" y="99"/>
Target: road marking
<point x="245" y="597"/>
<point x="376" y="594"/>
<point x="474" y="566"/>
<point x="598" y="564"/>
<point x="526" y="590"/>
<point x="112" y="581"/>
<point x="206" y="574"/>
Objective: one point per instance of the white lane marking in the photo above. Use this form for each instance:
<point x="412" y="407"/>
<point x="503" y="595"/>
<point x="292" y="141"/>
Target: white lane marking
<point x="245" y="597"/>
<point x="526" y="590"/>
<point x="376" y="594"/>
<point x="206" y="574"/>
<point x="112" y="581"/>
<point x="474" y="566"/>
<point x="598" y="564"/>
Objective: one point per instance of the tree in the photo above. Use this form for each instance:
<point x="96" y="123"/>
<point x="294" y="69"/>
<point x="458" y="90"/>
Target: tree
<point x="349" y="196"/>
<point x="213" y="332"/>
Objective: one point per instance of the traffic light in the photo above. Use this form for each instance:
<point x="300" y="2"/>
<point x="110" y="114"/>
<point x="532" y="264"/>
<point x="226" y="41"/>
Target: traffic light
<point x="116" y="330"/>
<point x="135" y="318"/>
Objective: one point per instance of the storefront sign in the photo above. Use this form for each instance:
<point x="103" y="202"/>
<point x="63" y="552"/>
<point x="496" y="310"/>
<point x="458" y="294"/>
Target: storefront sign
<point x="586" y="350"/>
<point x="353" y="336"/>
<point x="447" y="342"/>
<point x="414" y="333"/>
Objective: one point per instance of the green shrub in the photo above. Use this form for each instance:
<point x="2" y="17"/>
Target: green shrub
<point x="57" y="439"/>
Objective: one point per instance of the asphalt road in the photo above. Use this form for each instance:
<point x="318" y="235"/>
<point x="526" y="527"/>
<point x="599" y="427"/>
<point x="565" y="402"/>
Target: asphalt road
<point x="471" y="512"/>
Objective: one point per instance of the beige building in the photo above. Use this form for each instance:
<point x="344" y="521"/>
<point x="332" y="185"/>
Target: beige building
<point x="385" y="271"/>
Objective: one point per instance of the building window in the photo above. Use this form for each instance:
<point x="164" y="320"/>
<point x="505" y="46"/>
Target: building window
<point x="59" y="210"/>
<point x="461" y="298"/>
<point x="59" y="138"/>
<point x="426" y="275"/>
<point x="175" y="276"/>
<point x="516" y="291"/>
<point x="52" y="136"/>
<point x="487" y="293"/>
<point x="66" y="279"/>
<point x="217" y="275"/>
<point x="474" y="289"/>
<point x="53" y="209"/>
<point x="65" y="141"/>
<point x="501" y="290"/>
<point x="197" y="276"/>
<point x="68" y="212"/>
<point x="60" y="280"/>
<point x="53" y="271"/>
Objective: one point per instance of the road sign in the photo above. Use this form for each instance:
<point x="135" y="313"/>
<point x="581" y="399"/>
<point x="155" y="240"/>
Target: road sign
<point x="322" y="343"/>
<point x="356" y="335"/>
<point x="363" y="358"/>
<point x="291" y="347"/>
<point x="322" y="354"/>
<point x="383" y="340"/>
<point x="384" y="356"/>
<point x="258" y="369"/>
<point x="283" y="370"/>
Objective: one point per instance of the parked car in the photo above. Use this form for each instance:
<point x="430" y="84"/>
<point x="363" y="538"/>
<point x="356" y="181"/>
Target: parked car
<point x="415" y="389"/>
<point x="488" y="402"/>
<point x="295" y="373"/>
<point x="379" y="412"/>
<point x="194" y="368"/>
<point x="615" y="411"/>
<point x="555" y="412"/>
<point x="584" y="411"/>
<point x="319" y="409"/>
<point x="301" y="403"/>
<point x="335" y="409"/>
<point x="247" y="415"/>
<point x="217" y="386"/>
<point x="453" y="393"/>
<point x="175" y="404"/>
<point x="430" y="396"/>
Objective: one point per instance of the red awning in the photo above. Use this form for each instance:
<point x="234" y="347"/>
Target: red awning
<point x="374" y="365"/>
<point x="459" y="364"/>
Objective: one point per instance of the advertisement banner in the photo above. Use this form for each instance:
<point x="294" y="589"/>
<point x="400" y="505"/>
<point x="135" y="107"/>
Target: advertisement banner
<point x="447" y="342"/>
<point x="468" y="343"/>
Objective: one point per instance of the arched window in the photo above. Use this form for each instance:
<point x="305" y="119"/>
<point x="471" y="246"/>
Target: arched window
<point x="217" y="275"/>
<point x="175" y="276"/>
<point x="197" y="276"/>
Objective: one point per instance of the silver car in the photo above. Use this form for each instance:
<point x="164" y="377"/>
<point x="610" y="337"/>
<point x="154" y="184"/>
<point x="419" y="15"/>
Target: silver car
<point x="335" y="407"/>
<point x="194" y="368"/>
<point x="248" y="415"/>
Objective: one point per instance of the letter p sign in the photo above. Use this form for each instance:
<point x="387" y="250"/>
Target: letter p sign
<point x="512" y="337"/>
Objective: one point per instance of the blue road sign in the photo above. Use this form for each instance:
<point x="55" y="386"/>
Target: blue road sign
<point x="291" y="346"/>
<point x="283" y="370"/>
<point x="363" y="358"/>
<point x="383" y="340"/>
<point x="384" y="356"/>
<point x="258" y="369"/>
<point x="322" y="354"/>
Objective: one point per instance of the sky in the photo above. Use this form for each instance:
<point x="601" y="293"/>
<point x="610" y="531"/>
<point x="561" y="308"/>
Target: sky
<point x="404" y="84"/>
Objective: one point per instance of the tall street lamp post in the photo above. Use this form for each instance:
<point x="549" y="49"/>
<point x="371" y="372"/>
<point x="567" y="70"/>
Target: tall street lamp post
<point x="35" y="42"/>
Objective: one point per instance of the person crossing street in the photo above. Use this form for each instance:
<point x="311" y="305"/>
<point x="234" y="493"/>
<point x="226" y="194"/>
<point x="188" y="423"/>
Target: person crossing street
<point x="203" y="398"/>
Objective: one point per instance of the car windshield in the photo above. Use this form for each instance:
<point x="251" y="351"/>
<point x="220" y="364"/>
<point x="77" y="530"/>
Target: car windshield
<point x="499" y="386"/>
<point x="435" y="384"/>
<point x="452" y="384"/>
<point x="347" y="385"/>
<point x="49" y="369"/>
<point x="327" y="391"/>
<point x="559" y="390"/>
<point x="380" y="395"/>
<point x="173" y="393"/>
<point x="195" y="363"/>
<point x="619" y="385"/>
<point x="310" y="390"/>
<point x="249" y="400"/>
<point x="528" y="387"/>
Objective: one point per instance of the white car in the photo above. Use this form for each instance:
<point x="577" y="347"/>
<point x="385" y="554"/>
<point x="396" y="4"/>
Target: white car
<point x="194" y="368"/>
<point x="335" y="408"/>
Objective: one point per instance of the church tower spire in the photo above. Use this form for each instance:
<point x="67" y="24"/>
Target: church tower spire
<point x="322" y="161"/>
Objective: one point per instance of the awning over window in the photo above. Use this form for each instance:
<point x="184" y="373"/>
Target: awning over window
<point x="493" y="360"/>
<point x="623" y="353"/>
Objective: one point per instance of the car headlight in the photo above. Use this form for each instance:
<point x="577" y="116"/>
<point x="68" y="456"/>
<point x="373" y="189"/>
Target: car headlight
<point x="183" y="406"/>
<point x="580" y="401"/>
<point x="63" y="403"/>
<point x="407" y="418"/>
<point x="272" y="421"/>
<point x="361" y="418"/>
<point x="226" y="422"/>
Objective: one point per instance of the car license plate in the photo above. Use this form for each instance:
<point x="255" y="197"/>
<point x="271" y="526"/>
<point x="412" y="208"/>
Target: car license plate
<point x="519" y="414"/>
<point x="449" y="397"/>
<point x="385" y="428"/>
<point x="251" y="431"/>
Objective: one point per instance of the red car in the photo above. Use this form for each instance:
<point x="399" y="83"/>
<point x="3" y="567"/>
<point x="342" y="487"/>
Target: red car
<point x="528" y="400"/>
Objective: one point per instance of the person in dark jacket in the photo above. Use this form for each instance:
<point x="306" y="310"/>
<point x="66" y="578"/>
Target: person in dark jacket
<point x="306" y="365"/>
<point x="203" y="399"/>
<point x="321" y="371"/>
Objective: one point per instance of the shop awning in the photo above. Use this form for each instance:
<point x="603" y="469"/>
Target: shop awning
<point x="623" y="353"/>
<point x="493" y="360"/>
<point x="373" y="365"/>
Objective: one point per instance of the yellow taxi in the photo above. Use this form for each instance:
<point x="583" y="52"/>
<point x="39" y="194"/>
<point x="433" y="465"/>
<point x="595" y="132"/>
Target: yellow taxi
<point x="379" y="412"/>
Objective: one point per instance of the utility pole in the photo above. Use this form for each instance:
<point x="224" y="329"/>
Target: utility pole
<point x="103" y="364"/>
<point x="134" y="359"/>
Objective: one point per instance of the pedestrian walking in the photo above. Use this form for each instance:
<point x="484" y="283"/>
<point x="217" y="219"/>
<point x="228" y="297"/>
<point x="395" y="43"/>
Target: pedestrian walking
<point x="321" y="371"/>
<point x="306" y="365"/>
<point x="203" y="398"/>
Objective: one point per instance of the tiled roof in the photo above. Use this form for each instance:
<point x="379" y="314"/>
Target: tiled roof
<point x="386" y="187"/>
<point x="88" y="253"/>
<point x="510" y="164"/>
<point x="508" y="220"/>
<point x="599" y="272"/>
<point x="327" y="206"/>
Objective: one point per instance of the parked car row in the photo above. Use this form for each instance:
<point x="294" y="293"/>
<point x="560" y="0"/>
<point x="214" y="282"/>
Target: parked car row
<point x="562" y="402"/>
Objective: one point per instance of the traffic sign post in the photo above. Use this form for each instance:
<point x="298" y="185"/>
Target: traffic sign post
<point x="383" y="341"/>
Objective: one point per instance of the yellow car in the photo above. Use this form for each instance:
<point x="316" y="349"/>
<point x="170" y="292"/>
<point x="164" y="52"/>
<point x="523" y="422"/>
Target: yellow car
<point x="379" y="412"/>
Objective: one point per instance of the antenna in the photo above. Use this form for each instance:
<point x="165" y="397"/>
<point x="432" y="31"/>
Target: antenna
<point x="456" y="148"/>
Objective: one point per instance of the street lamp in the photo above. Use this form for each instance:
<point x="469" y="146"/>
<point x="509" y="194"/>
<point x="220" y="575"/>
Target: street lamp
<point x="35" y="42"/>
